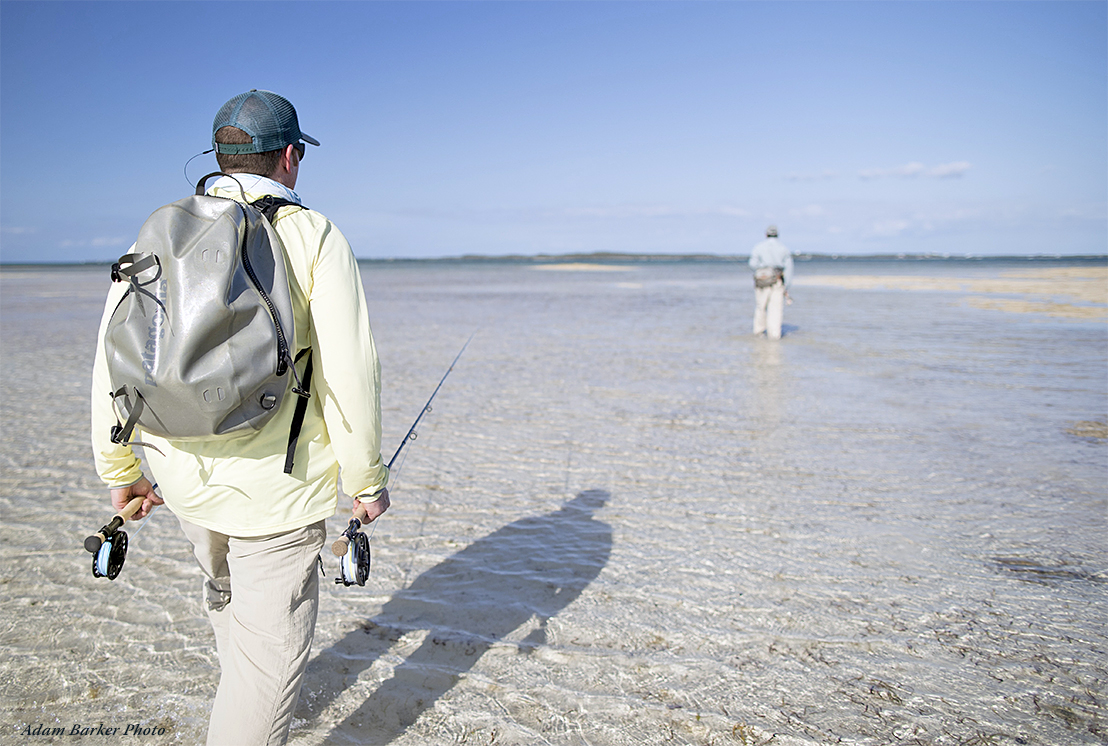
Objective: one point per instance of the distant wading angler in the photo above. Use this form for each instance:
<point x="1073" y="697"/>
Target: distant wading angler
<point x="251" y="495"/>
<point x="773" y="273"/>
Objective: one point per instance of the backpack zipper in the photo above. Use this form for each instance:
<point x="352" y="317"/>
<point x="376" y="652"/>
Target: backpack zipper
<point x="282" y="343"/>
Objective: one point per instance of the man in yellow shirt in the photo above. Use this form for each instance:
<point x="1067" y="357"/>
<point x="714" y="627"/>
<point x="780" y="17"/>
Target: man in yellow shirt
<point x="256" y="530"/>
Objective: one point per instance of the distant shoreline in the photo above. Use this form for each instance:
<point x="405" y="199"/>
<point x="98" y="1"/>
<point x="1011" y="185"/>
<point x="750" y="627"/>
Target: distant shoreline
<point x="615" y="258"/>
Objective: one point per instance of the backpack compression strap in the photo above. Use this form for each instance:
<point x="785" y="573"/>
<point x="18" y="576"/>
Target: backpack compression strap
<point x="128" y="269"/>
<point x="301" y="409"/>
<point x="121" y="434"/>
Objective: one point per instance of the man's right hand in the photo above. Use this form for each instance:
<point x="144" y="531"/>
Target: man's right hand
<point x="368" y="512"/>
<point x="142" y="488"/>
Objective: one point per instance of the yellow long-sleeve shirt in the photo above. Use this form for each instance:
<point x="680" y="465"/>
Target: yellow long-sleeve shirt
<point x="237" y="485"/>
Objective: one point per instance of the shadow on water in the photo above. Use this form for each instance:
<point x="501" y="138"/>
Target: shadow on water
<point x="528" y="570"/>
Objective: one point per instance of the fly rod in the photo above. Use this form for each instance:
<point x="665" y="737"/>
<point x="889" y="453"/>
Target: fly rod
<point x="353" y="546"/>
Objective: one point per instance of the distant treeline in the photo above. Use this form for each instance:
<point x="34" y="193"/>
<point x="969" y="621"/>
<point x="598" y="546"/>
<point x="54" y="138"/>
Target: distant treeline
<point x="617" y="258"/>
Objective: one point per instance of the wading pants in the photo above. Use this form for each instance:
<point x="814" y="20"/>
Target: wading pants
<point x="769" y="310"/>
<point x="262" y="596"/>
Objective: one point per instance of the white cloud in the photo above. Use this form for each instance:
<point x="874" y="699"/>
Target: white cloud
<point x="731" y="212"/>
<point x="911" y="170"/>
<point x="949" y="219"/>
<point x="908" y="170"/>
<point x="808" y="211"/>
<point x="949" y="170"/>
<point x="887" y="228"/>
<point x="97" y="242"/>
<point x="546" y="214"/>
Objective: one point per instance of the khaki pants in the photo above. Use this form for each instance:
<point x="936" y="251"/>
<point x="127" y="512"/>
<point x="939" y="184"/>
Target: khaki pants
<point x="769" y="310"/>
<point x="263" y="629"/>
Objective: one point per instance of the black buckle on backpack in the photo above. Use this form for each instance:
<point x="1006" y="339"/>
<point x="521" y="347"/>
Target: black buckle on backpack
<point x="121" y="434"/>
<point x="301" y="386"/>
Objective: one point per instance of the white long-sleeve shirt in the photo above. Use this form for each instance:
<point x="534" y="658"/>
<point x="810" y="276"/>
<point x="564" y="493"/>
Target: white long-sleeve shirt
<point x="237" y="485"/>
<point x="772" y="253"/>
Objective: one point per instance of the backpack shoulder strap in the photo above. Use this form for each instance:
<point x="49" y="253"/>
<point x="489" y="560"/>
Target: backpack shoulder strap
<point x="269" y="205"/>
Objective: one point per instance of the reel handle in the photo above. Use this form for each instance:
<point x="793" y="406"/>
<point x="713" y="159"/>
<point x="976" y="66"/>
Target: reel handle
<point x="94" y="542"/>
<point x="343" y="542"/>
<point x="340" y="546"/>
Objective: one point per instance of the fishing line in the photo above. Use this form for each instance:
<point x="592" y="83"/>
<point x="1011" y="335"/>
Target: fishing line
<point x="149" y="515"/>
<point x="146" y="520"/>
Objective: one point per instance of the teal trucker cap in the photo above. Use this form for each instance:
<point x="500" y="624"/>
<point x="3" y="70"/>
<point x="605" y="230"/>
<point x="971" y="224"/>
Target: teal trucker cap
<point x="268" y="118"/>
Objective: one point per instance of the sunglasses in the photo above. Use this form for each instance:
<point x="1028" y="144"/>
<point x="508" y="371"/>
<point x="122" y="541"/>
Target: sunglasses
<point x="300" y="149"/>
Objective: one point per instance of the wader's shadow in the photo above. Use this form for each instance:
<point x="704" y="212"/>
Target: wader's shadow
<point x="532" y="568"/>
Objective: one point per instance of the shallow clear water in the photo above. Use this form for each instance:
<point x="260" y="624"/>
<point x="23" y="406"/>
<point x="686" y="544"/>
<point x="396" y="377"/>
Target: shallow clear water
<point x="626" y="521"/>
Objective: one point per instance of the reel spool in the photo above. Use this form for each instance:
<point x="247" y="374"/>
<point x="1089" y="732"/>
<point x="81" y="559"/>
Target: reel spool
<point x="108" y="546"/>
<point x="108" y="560"/>
<point x="354" y="565"/>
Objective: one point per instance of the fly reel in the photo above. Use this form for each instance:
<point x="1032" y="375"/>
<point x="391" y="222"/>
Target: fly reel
<point x="109" y="545"/>
<point x="354" y="565"/>
<point x="108" y="560"/>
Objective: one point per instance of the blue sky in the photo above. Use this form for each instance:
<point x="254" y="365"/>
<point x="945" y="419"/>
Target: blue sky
<point x="494" y="128"/>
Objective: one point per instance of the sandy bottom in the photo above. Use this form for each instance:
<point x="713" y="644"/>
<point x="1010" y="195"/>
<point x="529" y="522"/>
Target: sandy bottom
<point x="627" y="521"/>
<point x="1084" y="289"/>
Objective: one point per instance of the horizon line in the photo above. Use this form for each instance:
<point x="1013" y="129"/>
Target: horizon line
<point x="600" y="256"/>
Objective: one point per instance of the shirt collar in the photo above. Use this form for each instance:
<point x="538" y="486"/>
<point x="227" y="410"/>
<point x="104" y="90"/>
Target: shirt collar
<point x="254" y="184"/>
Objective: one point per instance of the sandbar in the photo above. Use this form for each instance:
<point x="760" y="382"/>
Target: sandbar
<point x="1062" y="292"/>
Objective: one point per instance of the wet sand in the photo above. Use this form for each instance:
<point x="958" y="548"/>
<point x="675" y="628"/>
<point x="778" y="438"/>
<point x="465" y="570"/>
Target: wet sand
<point x="628" y="521"/>
<point x="1083" y="290"/>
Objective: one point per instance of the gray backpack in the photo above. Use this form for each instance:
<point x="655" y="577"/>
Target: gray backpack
<point x="200" y="345"/>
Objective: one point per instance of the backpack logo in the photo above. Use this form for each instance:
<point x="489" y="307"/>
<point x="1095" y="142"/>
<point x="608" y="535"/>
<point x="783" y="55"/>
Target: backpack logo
<point x="155" y="334"/>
